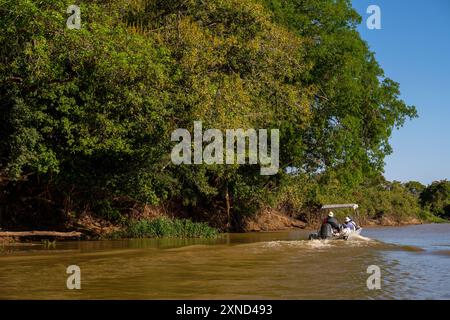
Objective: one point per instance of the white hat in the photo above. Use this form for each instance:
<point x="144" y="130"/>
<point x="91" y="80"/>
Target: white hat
<point x="331" y="214"/>
<point x="347" y="219"/>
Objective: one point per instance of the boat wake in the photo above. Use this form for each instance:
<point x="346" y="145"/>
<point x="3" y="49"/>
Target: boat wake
<point x="354" y="241"/>
<point x="358" y="237"/>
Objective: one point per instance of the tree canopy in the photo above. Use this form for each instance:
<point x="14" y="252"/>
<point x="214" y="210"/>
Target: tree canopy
<point x="87" y="114"/>
<point x="436" y="197"/>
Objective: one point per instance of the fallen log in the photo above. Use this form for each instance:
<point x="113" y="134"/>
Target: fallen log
<point x="41" y="234"/>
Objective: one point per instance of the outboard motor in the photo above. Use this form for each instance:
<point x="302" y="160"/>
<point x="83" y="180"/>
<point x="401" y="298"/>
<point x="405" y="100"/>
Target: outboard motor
<point x="326" y="231"/>
<point x="314" y="236"/>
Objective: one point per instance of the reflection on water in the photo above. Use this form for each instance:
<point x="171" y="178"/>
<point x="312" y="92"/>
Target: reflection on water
<point x="414" y="263"/>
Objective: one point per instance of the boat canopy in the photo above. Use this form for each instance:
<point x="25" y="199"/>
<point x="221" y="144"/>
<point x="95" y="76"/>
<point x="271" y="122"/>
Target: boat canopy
<point x="353" y="206"/>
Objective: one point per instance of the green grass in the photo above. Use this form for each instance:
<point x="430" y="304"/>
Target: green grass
<point x="164" y="227"/>
<point x="431" y="218"/>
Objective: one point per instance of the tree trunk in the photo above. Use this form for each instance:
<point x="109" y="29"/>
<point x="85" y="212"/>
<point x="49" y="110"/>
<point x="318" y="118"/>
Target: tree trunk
<point x="227" y="200"/>
<point x="40" y="234"/>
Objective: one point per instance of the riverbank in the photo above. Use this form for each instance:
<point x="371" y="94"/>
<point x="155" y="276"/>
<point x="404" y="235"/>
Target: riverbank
<point x="88" y="227"/>
<point x="273" y="220"/>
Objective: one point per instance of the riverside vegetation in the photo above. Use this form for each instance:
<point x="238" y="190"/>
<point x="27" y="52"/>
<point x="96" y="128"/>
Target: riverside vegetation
<point x="164" y="227"/>
<point x="87" y="114"/>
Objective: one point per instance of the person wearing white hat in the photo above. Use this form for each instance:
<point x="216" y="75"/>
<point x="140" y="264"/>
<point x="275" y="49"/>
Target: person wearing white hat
<point x="329" y="226"/>
<point x="331" y="220"/>
<point x="350" y="224"/>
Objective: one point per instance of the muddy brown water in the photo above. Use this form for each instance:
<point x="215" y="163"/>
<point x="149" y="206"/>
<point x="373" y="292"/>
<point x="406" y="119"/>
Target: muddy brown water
<point x="414" y="262"/>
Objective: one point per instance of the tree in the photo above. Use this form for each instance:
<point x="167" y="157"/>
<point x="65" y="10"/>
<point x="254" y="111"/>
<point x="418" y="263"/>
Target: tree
<point x="415" y="187"/>
<point x="87" y="114"/>
<point x="436" y="197"/>
<point x="355" y="107"/>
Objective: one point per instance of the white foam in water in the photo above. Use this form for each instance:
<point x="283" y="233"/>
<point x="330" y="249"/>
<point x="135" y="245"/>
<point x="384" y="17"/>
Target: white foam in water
<point x="354" y="241"/>
<point x="312" y="244"/>
<point x="272" y="244"/>
<point x="318" y="244"/>
<point x="358" y="237"/>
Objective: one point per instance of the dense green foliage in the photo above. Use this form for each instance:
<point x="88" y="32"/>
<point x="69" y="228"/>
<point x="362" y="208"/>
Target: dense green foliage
<point x="380" y="200"/>
<point x="87" y="114"/>
<point x="356" y="107"/>
<point x="164" y="227"/>
<point x="436" y="198"/>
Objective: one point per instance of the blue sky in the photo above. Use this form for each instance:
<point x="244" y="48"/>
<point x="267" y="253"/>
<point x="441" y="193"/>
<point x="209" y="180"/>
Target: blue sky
<point x="413" y="47"/>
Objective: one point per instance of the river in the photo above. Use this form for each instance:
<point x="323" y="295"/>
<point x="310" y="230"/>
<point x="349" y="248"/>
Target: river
<point x="414" y="262"/>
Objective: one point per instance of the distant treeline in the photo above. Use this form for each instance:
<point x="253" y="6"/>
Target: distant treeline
<point x="379" y="200"/>
<point x="86" y="115"/>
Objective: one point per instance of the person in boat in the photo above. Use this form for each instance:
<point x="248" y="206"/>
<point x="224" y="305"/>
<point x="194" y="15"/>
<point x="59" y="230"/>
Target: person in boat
<point x="333" y="222"/>
<point x="350" y="224"/>
<point x="329" y="227"/>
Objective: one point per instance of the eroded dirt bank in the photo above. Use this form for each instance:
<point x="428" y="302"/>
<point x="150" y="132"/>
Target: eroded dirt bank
<point x="88" y="227"/>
